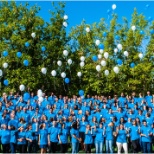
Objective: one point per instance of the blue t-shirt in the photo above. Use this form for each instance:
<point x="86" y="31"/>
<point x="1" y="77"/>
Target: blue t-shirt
<point x="100" y="133"/>
<point x="63" y="134"/>
<point x="134" y="132"/>
<point x="43" y="136"/>
<point x="82" y="126"/>
<point x="146" y="131"/>
<point x="88" y="138"/>
<point x="76" y="133"/>
<point x="13" y="137"/>
<point x="30" y="135"/>
<point x="21" y="135"/>
<point x="109" y="133"/>
<point x="53" y="131"/>
<point x="121" y="137"/>
<point x="5" y="136"/>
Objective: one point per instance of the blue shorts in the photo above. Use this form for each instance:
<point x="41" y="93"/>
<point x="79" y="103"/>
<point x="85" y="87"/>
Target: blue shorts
<point x="43" y="146"/>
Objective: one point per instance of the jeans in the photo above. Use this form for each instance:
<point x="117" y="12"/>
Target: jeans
<point x="75" y="147"/>
<point x="146" y="147"/>
<point x="99" y="146"/>
<point x="135" y="145"/>
<point x="109" y="144"/>
<point x="13" y="147"/>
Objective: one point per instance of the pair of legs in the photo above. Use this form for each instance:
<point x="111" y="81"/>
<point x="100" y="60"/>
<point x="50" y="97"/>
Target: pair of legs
<point x="75" y="147"/>
<point x="109" y="146"/>
<point x="120" y="145"/>
<point x="88" y="148"/>
<point x="135" y="146"/>
<point x="147" y="146"/>
<point x="99" y="146"/>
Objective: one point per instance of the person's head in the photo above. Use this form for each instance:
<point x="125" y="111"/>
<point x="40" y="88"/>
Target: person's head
<point x="37" y="110"/>
<point x="148" y="93"/>
<point x="122" y="94"/>
<point x="29" y="127"/>
<point x="121" y="126"/>
<point x="83" y="118"/>
<point x="63" y="125"/>
<point x="129" y="119"/>
<point x="110" y="111"/>
<point x="80" y="112"/>
<point x="144" y="122"/>
<point x="111" y="124"/>
<point x="122" y="120"/>
<point x="119" y="109"/>
<point x="88" y="127"/>
<point x="4" y="126"/>
<point x="74" y="125"/>
<point x="134" y="122"/>
<point x="21" y="129"/>
<point x="22" y="120"/>
<point x="44" y="118"/>
<point x="100" y="125"/>
<point x="148" y="115"/>
<point x="54" y="123"/>
<point x="42" y="126"/>
<point x="94" y="119"/>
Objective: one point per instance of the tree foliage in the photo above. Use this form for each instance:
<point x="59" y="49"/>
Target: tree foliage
<point x="17" y="22"/>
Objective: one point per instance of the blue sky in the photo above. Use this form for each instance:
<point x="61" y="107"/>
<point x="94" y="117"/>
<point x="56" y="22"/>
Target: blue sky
<point x="92" y="11"/>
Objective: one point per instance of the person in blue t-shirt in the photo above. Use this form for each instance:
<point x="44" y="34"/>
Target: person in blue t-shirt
<point x="99" y="139"/>
<point x="21" y="140"/>
<point x="109" y="137"/>
<point x="5" y="138"/>
<point x="31" y="139"/>
<point x="121" y="134"/>
<point x="75" y="138"/>
<point x="53" y="134"/>
<point x="134" y="132"/>
<point x="63" y="138"/>
<point x="43" y="138"/>
<point x="146" y="134"/>
<point x="88" y="139"/>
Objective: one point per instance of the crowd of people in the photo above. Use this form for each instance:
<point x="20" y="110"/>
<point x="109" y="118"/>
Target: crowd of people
<point x="106" y="124"/>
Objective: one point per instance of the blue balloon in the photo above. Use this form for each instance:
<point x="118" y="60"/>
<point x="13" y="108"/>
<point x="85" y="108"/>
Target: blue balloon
<point x="19" y="54"/>
<point x="6" y="82"/>
<point x="81" y="92"/>
<point x="104" y="34"/>
<point x="43" y="49"/>
<point x="26" y="96"/>
<point x="67" y="80"/>
<point x="119" y="62"/>
<point x="117" y="37"/>
<point x="94" y="58"/>
<point x="141" y="32"/>
<point x="152" y="31"/>
<point x="5" y="53"/>
<point x="26" y="62"/>
<point x="27" y="44"/>
<point x="132" y="65"/>
<point x="101" y="46"/>
<point x="150" y="19"/>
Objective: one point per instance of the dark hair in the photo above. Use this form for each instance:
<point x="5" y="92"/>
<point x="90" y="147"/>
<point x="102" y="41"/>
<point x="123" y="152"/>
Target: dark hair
<point x="74" y="125"/>
<point x="12" y="127"/>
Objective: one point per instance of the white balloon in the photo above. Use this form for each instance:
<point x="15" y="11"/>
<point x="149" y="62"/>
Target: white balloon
<point x="115" y="50"/>
<point x="103" y="63"/>
<point x="41" y="99"/>
<point x="126" y="53"/>
<point x="98" y="68"/>
<point x="65" y="53"/>
<point x="79" y="74"/>
<point x="101" y="51"/>
<point x="133" y="28"/>
<point x="82" y="58"/>
<point x="33" y="35"/>
<point x="1" y="72"/>
<point x="81" y="64"/>
<point x="5" y="65"/>
<point x="119" y="46"/>
<point x="106" y="55"/>
<point x="63" y="74"/>
<point x="53" y="73"/>
<point x="22" y="87"/>
<point x="114" y="6"/>
<point x="44" y="70"/>
<point x="40" y="94"/>
<point x="116" y="69"/>
<point x="69" y="61"/>
<point x="59" y="63"/>
<point x="87" y="29"/>
<point x="97" y="42"/>
<point x="65" y="17"/>
<point x="106" y="72"/>
<point x="65" y="24"/>
<point x="140" y="55"/>
<point x="99" y="56"/>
